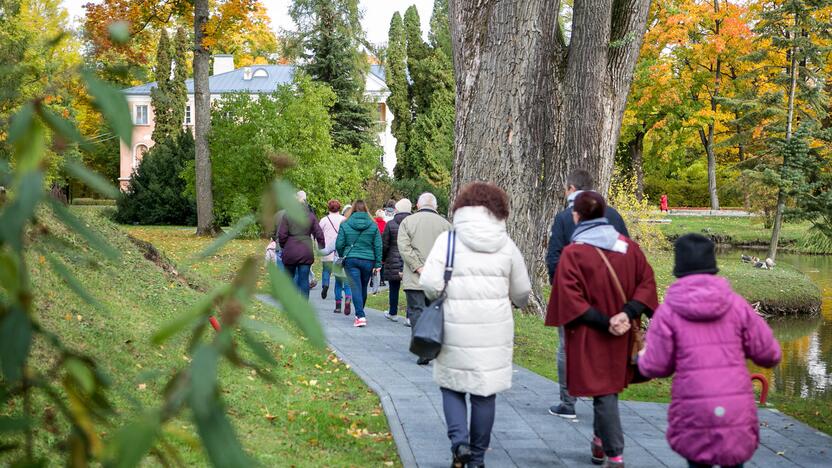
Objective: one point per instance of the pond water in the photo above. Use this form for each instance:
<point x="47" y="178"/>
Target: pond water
<point x="806" y="369"/>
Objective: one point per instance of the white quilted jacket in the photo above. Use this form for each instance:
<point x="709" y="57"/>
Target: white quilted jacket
<point x="489" y="275"/>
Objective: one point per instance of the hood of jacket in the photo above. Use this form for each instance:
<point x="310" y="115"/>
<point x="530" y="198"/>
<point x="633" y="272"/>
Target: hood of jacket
<point x="479" y="230"/>
<point x="399" y="217"/>
<point x="360" y="221"/>
<point x="700" y="298"/>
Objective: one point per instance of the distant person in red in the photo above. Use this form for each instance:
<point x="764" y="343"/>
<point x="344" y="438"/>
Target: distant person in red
<point x="380" y="221"/>
<point x="663" y="204"/>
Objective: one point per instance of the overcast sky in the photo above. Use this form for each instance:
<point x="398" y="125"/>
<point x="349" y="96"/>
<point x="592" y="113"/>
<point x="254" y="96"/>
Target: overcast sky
<point x="377" y="14"/>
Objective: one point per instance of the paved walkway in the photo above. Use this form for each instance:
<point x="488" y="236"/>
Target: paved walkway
<point x="525" y="435"/>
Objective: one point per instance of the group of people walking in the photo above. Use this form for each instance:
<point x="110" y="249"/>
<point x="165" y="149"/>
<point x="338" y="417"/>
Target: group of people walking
<point x="602" y="288"/>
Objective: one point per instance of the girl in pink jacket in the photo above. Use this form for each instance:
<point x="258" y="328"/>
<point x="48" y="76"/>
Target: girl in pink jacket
<point x="704" y="332"/>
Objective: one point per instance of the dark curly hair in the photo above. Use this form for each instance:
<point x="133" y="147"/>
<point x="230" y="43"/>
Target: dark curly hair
<point x="589" y="205"/>
<point x="484" y="194"/>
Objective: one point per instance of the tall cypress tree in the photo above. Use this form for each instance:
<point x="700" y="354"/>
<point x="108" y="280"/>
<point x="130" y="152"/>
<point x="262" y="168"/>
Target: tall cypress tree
<point x="440" y="29"/>
<point x="331" y="34"/>
<point x="399" y="100"/>
<point x="417" y="52"/>
<point x="160" y="95"/>
<point x="178" y="93"/>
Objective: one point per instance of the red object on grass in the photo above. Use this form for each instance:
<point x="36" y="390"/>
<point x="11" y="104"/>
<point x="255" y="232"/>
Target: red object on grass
<point x="764" y="386"/>
<point x="215" y="323"/>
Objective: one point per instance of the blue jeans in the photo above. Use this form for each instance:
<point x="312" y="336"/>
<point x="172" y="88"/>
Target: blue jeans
<point x="359" y="272"/>
<point x="478" y="436"/>
<point x="395" y="286"/>
<point x="300" y="275"/>
<point x="342" y="288"/>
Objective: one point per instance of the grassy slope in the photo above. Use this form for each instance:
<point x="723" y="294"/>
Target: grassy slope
<point x="319" y="410"/>
<point x="735" y="231"/>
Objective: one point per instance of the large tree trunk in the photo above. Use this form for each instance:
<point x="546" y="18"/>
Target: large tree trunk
<point x="202" y="124"/>
<point x="530" y="108"/>
<point x="636" y="149"/>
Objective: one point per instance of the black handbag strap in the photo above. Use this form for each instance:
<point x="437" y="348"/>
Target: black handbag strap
<point x="450" y="253"/>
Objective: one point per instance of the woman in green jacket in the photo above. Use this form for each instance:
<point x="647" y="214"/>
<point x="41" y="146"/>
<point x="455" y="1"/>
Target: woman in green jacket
<point x="359" y="244"/>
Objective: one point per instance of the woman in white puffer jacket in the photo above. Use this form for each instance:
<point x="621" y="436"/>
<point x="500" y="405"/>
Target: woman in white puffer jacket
<point x="489" y="276"/>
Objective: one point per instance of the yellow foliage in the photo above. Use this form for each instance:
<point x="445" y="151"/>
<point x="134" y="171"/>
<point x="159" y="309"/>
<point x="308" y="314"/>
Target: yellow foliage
<point x="639" y="215"/>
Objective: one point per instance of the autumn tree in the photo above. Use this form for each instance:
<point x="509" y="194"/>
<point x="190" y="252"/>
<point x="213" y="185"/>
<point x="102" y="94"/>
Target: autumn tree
<point x="205" y="225"/>
<point x="532" y="104"/>
<point x="331" y="36"/>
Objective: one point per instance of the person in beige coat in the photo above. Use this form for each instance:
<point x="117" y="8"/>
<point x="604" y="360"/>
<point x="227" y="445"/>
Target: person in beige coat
<point x="417" y="234"/>
<point x="489" y="276"/>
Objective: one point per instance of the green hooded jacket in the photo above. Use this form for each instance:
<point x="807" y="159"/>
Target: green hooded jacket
<point x="358" y="237"/>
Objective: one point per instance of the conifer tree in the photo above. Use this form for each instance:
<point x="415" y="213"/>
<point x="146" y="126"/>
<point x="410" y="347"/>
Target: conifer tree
<point x="440" y="29"/>
<point x="331" y="35"/>
<point x="417" y="52"/>
<point x="399" y="99"/>
<point x="160" y="95"/>
<point x="178" y="92"/>
<point x="797" y="31"/>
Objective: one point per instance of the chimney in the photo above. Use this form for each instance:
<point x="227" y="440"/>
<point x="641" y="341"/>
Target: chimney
<point x="247" y="73"/>
<point x="223" y="63"/>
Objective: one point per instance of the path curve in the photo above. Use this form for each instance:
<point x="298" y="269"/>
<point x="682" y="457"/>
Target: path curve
<point x="525" y="435"/>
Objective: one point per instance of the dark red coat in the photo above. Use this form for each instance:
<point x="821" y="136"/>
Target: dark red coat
<point x="597" y="361"/>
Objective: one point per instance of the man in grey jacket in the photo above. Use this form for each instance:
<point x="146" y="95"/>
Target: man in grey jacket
<point x="417" y="234"/>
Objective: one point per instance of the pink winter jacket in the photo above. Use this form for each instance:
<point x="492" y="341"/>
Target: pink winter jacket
<point x="704" y="332"/>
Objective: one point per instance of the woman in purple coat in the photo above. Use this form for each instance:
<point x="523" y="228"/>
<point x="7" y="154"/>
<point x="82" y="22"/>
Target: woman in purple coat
<point x="704" y="332"/>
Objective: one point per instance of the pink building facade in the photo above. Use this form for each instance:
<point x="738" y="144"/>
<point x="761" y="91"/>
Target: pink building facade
<point x="255" y="80"/>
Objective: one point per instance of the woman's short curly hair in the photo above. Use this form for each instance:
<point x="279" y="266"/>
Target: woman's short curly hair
<point x="334" y="206"/>
<point x="484" y="194"/>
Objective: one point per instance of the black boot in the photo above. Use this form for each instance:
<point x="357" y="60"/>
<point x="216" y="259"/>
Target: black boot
<point x="462" y="455"/>
<point x="324" y="290"/>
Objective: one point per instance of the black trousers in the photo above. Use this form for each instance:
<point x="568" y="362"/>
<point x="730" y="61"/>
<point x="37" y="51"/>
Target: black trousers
<point x="416" y="301"/>
<point x="692" y="464"/>
<point x="607" y="424"/>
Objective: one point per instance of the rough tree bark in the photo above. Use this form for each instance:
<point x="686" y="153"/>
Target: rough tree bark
<point x="202" y="124"/>
<point x="531" y="107"/>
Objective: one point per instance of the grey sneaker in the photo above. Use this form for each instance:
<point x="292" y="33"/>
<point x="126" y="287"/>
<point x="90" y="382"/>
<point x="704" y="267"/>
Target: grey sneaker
<point x="562" y="411"/>
<point x="392" y="318"/>
<point x="407" y="322"/>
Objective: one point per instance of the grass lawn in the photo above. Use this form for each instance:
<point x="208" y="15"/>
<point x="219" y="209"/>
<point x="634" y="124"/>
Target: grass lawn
<point x="318" y="412"/>
<point x="737" y="231"/>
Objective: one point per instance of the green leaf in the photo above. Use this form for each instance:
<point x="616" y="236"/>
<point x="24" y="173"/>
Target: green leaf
<point x="15" y="341"/>
<point x="112" y="104"/>
<point x="11" y="424"/>
<point x="258" y="348"/>
<point x="73" y="282"/>
<point x="81" y="373"/>
<point x="63" y="127"/>
<point x="273" y="331"/>
<point x="16" y="214"/>
<point x="286" y="198"/>
<point x="119" y="31"/>
<point x="77" y="226"/>
<point x="21" y="122"/>
<point x="9" y="274"/>
<point x="30" y="148"/>
<point x="92" y="179"/>
<point x="283" y="289"/>
<point x="232" y="234"/>
<point x="133" y="441"/>
<point x="199" y="310"/>
<point x="218" y="437"/>
<point x="204" y="379"/>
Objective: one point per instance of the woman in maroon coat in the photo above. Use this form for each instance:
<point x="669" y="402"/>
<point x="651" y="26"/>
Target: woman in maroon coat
<point x="587" y="300"/>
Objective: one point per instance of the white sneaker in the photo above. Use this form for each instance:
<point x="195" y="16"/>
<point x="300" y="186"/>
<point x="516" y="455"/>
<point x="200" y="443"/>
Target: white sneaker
<point x="392" y="318"/>
<point x="407" y="322"/>
<point x="360" y="322"/>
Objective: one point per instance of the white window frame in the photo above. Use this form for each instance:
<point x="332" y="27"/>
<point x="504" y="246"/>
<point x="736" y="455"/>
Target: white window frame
<point x="188" y="115"/>
<point x="136" y="114"/>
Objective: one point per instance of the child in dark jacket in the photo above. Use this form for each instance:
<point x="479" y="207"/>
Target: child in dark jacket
<point x="704" y="332"/>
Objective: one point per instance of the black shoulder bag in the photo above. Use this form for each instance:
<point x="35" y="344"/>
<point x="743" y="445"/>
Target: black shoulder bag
<point x="426" y="341"/>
